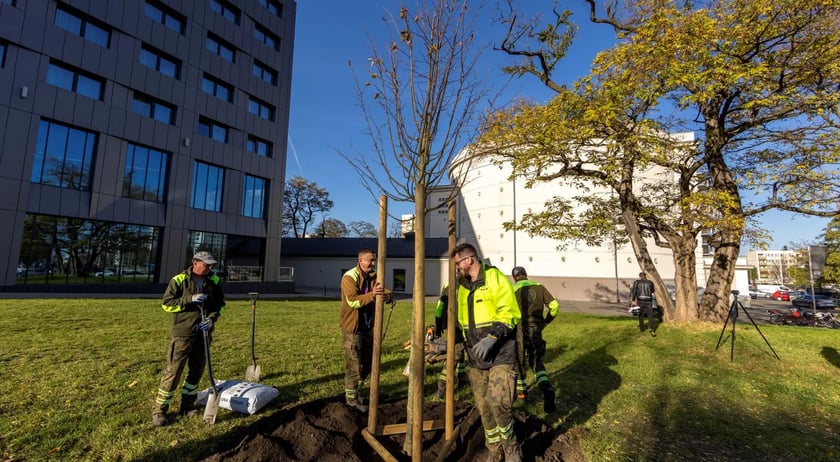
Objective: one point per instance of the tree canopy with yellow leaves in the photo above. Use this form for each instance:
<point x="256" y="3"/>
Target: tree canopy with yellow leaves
<point x="755" y="82"/>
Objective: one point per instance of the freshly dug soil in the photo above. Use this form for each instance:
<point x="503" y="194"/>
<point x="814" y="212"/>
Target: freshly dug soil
<point x="329" y="431"/>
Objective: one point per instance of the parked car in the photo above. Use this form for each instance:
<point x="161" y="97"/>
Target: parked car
<point x="807" y="302"/>
<point x="783" y="295"/>
<point x="105" y="273"/>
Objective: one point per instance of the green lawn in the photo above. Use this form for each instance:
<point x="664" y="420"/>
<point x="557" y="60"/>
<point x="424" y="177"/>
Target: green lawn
<point x="79" y="377"/>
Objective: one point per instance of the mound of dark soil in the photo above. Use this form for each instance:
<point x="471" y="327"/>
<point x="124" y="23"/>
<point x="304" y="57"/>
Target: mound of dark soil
<point x="327" y="430"/>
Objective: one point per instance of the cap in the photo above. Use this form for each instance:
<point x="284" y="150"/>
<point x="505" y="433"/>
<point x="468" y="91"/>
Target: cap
<point x="519" y="271"/>
<point x="206" y="257"/>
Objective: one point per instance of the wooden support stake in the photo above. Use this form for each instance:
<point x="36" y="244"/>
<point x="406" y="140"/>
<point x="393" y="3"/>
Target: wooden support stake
<point x="377" y="446"/>
<point x="376" y="360"/>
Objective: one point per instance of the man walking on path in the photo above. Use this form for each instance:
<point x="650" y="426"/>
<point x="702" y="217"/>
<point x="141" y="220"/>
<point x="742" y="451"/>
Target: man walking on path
<point x="538" y="309"/>
<point x="183" y="297"/>
<point x="641" y="293"/>
<point x="358" y="301"/>
<point x="488" y="313"/>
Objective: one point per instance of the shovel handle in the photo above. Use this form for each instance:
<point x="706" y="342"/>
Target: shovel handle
<point x="207" y="351"/>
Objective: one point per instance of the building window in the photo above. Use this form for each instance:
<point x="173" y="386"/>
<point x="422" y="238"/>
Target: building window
<point x="63" y="156"/>
<point x="253" y="202"/>
<point x="215" y="243"/>
<point x="263" y="72"/>
<point x="221" y="48"/>
<point x="2" y="54"/>
<point x="8" y="2"/>
<point x="145" y="173"/>
<point x="260" y="108"/>
<point x="228" y="11"/>
<point x="114" y="252"/>
<point x="149" y="107"/>
<point x="83" y="26"/>
<point x="216" y="88"/>
<point x="212" y="129"/>
<point x="274" y="7"/>
<point x="162" y="14"/>
<point x="258" y="146"/>
<point x="264" y="36"/>
<point x="75" y="81"/>
<point x="399" y="280"/>
<point x="160" y="62"/>
<point x="207" y="187"/>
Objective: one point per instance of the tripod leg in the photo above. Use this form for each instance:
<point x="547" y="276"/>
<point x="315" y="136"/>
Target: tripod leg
<point x="729" y="315"/>
<point x="759" y="331"/>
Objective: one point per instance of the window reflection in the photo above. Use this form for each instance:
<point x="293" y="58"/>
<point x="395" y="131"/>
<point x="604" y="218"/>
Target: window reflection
<point x="64" y="250"/>
<point x="63" y="156"/>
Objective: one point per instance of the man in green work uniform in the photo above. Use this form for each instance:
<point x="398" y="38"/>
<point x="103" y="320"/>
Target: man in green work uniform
<point x="441" y="316"/>
<point x="538" y="308"/>
<point x="186" y="291"/>
<point x="488" y="314"/>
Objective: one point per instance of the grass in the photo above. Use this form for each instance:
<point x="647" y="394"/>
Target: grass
<point x="80" y="375"/>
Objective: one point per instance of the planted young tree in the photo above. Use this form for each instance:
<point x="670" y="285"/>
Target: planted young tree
<point x="757" y="81"/>
<point x="418" y="95"/>
<point x="303" y="202"/>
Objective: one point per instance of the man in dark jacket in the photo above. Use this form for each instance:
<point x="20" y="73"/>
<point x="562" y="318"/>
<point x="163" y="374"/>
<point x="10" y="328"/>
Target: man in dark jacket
<point x="186" y="293"/>
<point x="641" y="293"/>
<point x="487" y="314"/>
<point x="538" y="308"/>
<point x="358" y="300"/>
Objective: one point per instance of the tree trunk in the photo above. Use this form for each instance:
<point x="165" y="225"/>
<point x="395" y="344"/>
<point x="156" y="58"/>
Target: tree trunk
<point x="685" y="278"/>
<point x="413" y="443"/>
<point x="715" y="306"/>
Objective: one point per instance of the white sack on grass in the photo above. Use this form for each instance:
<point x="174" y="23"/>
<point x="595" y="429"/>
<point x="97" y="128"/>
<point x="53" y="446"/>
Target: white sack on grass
<point x="244" y="397"/>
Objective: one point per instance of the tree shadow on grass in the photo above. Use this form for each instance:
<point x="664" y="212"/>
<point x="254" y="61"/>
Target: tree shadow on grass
<point x="831" y="355"/>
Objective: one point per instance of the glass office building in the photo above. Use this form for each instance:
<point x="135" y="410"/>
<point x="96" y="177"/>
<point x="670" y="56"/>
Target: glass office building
<point x="134" y="133"/>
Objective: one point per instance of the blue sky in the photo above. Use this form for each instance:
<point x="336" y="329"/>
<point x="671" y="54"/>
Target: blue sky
<point x="325" y="119"/>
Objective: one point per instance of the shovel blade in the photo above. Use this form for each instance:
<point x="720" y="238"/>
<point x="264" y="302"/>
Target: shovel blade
<point x="252" y="373"/>
<point x="211" y="409"/>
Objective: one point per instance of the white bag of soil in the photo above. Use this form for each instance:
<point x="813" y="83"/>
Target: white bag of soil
<point x="244" y="397"/>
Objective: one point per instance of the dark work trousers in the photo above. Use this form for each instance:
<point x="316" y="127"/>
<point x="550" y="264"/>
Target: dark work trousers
<point x="646" y="309"/>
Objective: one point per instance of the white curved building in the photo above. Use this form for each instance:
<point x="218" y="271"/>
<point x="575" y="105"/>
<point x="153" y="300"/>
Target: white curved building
<point x="579" y="272"/>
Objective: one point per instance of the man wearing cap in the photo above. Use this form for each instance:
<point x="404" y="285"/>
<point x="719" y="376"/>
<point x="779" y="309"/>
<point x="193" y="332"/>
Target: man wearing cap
<point x="538" y="308"/>
<point x="187" y="291"/>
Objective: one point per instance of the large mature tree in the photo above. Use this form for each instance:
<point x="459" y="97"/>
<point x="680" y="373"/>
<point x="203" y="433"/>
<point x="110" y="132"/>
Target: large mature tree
<point x="757" y="81"/>
<point x="418" y="95"/>
<point x="362" y="229"/>
<point x="332" y="227"/>
<point x="303" y="203"/>
<point x="831" y="237"/>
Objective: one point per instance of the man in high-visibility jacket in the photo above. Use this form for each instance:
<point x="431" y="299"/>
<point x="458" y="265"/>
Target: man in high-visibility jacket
<point x="538" y="308"/>
<point x="358" y="300"/>
<point x="441" y="315"/>
<point x="488" y="314"/>
<point x="186" y="290"/>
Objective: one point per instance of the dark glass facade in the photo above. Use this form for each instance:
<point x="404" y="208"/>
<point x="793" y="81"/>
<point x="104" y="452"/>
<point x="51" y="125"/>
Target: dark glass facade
<point x="137" y="134"/>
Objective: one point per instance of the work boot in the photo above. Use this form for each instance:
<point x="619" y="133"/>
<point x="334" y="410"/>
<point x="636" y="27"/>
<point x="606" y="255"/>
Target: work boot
<point x="513" y="452"/>
<point x="357" y="405"/>
<point x="548" y="399"/>
<point x="159" y="419"/>
<point x="188" y="407"/>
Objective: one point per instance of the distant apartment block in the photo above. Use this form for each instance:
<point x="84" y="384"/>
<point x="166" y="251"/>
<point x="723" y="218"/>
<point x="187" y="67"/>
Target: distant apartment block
<point x="773" y="265"/>
<point x="136" y="132"/>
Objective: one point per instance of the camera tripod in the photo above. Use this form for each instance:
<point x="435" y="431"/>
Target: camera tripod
<point x="733" y="314"/>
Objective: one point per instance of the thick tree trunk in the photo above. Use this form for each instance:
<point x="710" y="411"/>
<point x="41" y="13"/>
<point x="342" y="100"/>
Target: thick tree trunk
<point x="727" y="242"/>
<point x="685" y="278"/>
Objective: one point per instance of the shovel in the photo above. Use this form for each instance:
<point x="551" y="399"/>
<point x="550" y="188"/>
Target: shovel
<point x="212" y="407"/>
<point x="252" y="373"/>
